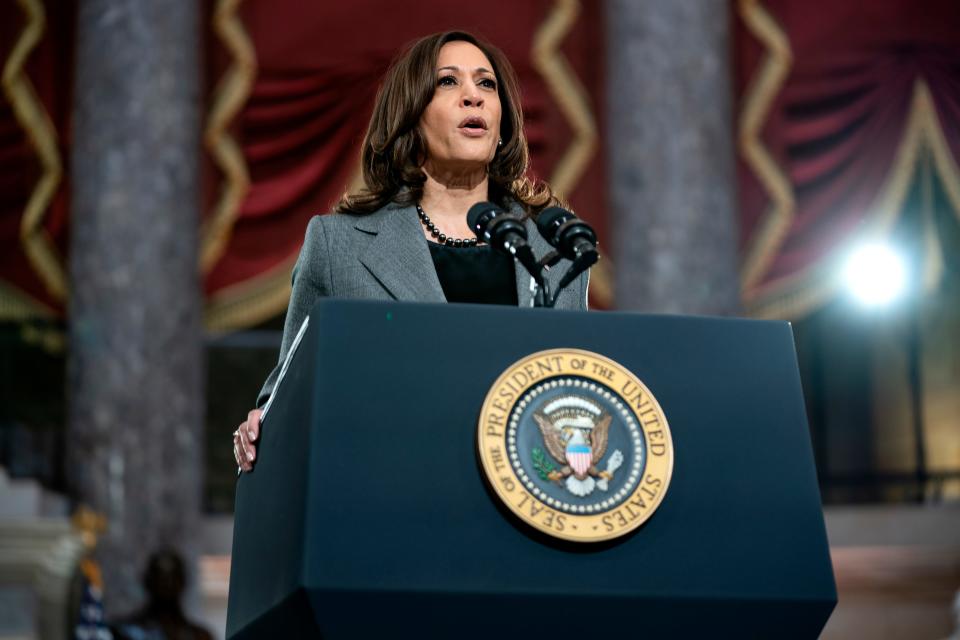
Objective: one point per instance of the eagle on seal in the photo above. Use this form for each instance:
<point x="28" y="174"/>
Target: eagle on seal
<point x="575" y="432"/>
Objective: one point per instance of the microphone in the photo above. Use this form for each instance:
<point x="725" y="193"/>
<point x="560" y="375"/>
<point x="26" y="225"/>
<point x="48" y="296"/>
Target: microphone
<point x="506" y="233"/>
<point x="573" y="239"/>
<point x="496" y="227"/>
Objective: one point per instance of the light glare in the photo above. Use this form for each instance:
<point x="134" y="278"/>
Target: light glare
<point x="875" y="274"/>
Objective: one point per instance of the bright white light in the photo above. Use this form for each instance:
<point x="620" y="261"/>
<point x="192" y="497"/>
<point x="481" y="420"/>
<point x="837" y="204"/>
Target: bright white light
<point x="875" y="274"/>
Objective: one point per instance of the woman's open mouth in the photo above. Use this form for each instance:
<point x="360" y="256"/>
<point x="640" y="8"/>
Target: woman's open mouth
<point x="474" y="127"/>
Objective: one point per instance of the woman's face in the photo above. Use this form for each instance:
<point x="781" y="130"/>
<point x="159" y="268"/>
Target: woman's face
<point x="461" y="125"/>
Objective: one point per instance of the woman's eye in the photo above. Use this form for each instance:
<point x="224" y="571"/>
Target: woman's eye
<point x="446" y="81"/>
<point x="488" y="83"/>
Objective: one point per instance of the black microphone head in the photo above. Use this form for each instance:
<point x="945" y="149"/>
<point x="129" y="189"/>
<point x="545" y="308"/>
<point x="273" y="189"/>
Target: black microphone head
<point x="479" y="217"/>
<point x="567" y="233"/>
<point x="549" y="222"/>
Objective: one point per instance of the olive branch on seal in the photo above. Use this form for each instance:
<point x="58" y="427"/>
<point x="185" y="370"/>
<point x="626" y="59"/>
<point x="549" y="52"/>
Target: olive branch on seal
<point x="542" y="464"/>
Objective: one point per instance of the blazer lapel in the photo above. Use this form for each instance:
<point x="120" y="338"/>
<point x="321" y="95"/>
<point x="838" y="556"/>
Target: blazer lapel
<point x="398" y="256"/>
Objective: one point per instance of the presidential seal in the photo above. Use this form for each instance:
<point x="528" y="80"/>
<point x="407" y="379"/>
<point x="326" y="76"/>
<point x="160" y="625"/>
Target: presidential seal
<point x="575" y="445"/>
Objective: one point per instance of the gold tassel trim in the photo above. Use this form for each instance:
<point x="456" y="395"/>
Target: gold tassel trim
<point x="230" y="95"/>
<point x="760" y="96"/>
<point x="571" y="97"/>
<point x="251" y="302"/>
<point x="569" y="94"/>
<point x="33" y="118"/>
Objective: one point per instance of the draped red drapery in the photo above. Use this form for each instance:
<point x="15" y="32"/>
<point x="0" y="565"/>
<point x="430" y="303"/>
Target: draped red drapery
<point x="304" y="103"/>
<point x="852" y="97"/>
<point x="838" y="104"/>
<point x="318" y="68"/>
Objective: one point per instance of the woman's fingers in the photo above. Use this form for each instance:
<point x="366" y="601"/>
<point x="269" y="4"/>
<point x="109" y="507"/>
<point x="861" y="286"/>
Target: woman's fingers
<point x="253" y="425"/>
<point x="244" y="449"/>
<point x="238" y="453"/>
<point x="249" y="450"/>
<point x="249" y="432"/>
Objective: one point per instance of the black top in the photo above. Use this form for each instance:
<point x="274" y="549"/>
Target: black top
<point x="475" y="274"/>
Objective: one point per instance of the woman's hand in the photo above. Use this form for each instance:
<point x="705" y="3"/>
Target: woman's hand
<point x="244" y="449"/>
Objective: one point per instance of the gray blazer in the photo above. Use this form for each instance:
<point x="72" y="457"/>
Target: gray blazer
<point x="384" y="256"/>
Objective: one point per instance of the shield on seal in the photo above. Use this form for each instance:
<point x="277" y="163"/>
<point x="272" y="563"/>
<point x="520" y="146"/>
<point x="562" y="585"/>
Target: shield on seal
<point x="579" y="456"/>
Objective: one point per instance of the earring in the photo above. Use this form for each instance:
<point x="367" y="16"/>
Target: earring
<point x="500" y="142"/>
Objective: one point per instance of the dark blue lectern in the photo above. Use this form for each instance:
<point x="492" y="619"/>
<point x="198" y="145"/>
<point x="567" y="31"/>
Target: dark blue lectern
<point x="367" y="514"/>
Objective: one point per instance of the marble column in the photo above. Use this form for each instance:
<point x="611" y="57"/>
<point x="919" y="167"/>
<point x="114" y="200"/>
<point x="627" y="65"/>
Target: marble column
<point x="671" y="155"/>
<point x="135" y="372"/>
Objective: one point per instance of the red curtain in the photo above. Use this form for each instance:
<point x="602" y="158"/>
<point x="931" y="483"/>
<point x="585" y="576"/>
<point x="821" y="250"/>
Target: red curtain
<point x="835" y="127"/>
<point x="318" y="68"/>
<point x="835" y="90"/>
<point x="298" y="131"/>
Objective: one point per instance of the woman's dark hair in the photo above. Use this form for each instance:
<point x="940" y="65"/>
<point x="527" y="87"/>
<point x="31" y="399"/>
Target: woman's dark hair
<point x="394" y="149"/>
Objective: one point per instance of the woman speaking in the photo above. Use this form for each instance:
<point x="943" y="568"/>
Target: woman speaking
<point x="446" y="133"/>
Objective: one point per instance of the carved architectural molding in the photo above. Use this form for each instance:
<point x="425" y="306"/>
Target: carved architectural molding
<point x="42" y="555"/>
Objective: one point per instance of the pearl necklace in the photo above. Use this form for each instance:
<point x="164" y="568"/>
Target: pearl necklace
<point x="443" y="238"/>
